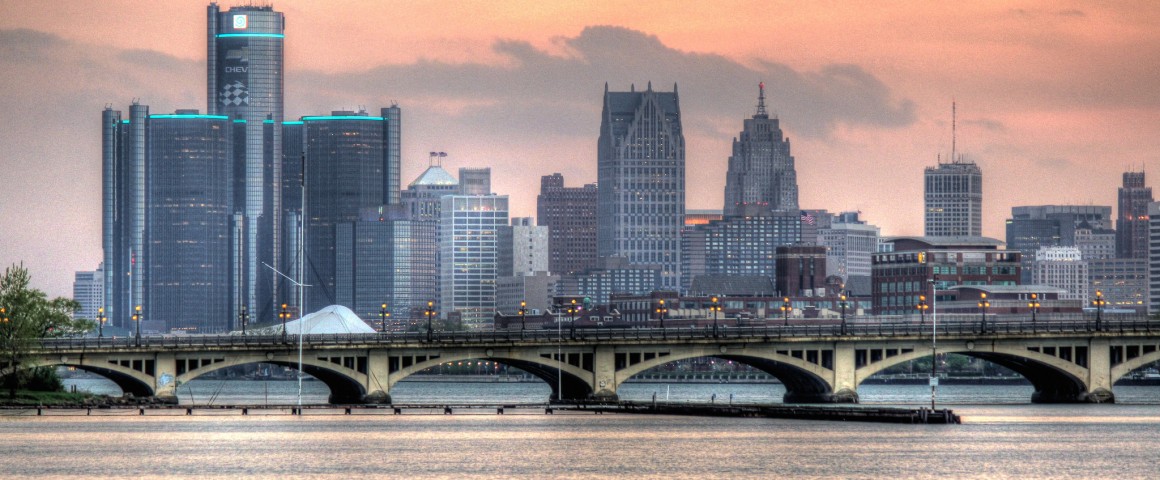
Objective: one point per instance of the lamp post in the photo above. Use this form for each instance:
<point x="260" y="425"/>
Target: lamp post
<point x="785" y="309"/>
<point x="922" y="308"/>
<point x="523" y="317"/>
<point x="842" y="303"/>
<point x="572" y="318"/>
<point x="983" y="304"/>
<point x="933" y="340"/>
<point x="100" y="322"/>
<point x="244" y="318"/>
<point x="715" y="307"/>
<point x="383" y="314"/>
<point x="137" y="317"/>
<point x="661" y="311"/>
<point x="284" y="315"/>
<point x="4" y="320"/>
<point x="430" y="313"/>
<point x="1034" y="306"/>
<point x="1099" y="303"/>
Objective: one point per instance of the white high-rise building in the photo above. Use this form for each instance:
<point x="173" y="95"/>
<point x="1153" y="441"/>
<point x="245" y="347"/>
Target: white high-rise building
<point x="88" y="290"/>
<point x="1062" y="267"/>
<point x="1153" y="257"/>
<point x="849" y="243"/>
<point x="468" y="256"/>
<point x="524" y="248"/>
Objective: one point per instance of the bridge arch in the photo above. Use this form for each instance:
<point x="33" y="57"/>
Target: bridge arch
<point x="1119" y="371"/>
<point x="343" y="382"/>
<point x="804" y="382"/>
<point x="130" y="381"/>
<point x="576" y="382"/>
<point x="1055" y="380"/>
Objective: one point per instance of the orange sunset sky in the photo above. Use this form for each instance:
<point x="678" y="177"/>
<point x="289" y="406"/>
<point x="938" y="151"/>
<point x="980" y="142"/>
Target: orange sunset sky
<point x="1055" y="99"/>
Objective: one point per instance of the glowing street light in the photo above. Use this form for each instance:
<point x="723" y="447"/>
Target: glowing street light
<point x="101" y="322"/>
<point x="983" y="304"/>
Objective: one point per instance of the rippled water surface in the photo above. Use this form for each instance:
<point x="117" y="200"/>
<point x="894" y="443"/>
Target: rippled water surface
<point x="1002" y="437"/>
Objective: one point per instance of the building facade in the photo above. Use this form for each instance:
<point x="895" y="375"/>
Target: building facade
<point x="930" y="266"/>
<point x="1063" y="268"/>
<point x="1132" y="221"/>
<point x="386" y="258"/>
<point x="641" y="173"/>
<point x="849" y="244"/>
<point x="761" y="169"/>
<point x="468" y="256"/>
<point x="523" y="248"/>
<point x="954" y="200"/>
<point x="801" y="270"/>
<point x="569" y="213"/>
<point x="1122" y="281"/>
<point x="88" y="290"/>
<point x="744" y="245"/>
<point x="475" y="181"/>
<point x="245" y="78"/>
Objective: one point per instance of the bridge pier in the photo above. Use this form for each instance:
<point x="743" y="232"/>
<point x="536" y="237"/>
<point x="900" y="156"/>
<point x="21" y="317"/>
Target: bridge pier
<point x="1099" y="395"/>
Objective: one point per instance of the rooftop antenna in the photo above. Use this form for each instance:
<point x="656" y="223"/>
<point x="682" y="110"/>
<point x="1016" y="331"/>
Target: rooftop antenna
<point x="761" y="99"/>
<point x="954" y="157"/>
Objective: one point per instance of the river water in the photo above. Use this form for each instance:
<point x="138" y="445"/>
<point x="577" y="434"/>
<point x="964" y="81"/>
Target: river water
<point x="1003" y="436"/>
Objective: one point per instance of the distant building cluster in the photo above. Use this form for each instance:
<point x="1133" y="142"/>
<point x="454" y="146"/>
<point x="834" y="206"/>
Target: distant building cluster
<point x="238" y="217"/>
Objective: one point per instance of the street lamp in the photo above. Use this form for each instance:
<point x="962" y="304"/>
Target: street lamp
<point x="383" y="314"/>
<point x="983" y="304"/>
<point x="1034" y="306"/>
<point x="244" y="318"/>
<point x="430" y="313"/>
<point x="842" y="303"/>
<point x="100" y="322"/>
<point x="284" y="315"/>
<point x="4" y="319"/>
<point x="523" y="317"/>
<point x="572" y="316"/>
<point x="922" y="308"/>
<point x="785" y="309"/>
<point x="661" y="311"/>
<point x="137" y="317"/>
<point x="715" y="307"/>
<point x="1099" y="303"/>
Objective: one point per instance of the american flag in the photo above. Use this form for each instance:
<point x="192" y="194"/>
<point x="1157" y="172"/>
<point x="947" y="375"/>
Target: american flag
<point x="808" y="218"/>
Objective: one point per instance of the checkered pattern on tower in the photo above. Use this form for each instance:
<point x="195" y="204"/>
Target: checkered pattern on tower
<point x="235" y="94"/>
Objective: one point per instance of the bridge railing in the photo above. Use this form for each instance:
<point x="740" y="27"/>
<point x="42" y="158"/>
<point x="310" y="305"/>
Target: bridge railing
<point x="956" y="324"/>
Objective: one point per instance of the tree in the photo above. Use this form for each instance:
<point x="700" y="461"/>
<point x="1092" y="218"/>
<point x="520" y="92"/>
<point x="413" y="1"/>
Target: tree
<point x="26" y="315"/>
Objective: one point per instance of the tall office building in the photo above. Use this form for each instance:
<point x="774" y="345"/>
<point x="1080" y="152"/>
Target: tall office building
<point x="345" y="168"/>
<point x="641" y="173"/>
<point x="475" y="181"/>
<point x="741" y="245"/>
<point x="468" y="263"/>
<point x="88" y="290"/>
<point x="245" y="82"/>
<point x="385" y="257"/>
<point x="1063" y="268"/>
<point x="1132" y="226"/>
<point x="1036" y="226"/>
<point x="523" y="248"/>
<point x="167" y="223"/>
<point x="954" y="200"/>
<point x="849" y="243"/>
<point x="761" y="169"/>
<point x="1153" y="258"/>
<point x="570" y="215"/>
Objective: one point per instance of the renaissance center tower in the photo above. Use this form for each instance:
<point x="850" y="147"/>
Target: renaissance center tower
<point x="245" y="82"/>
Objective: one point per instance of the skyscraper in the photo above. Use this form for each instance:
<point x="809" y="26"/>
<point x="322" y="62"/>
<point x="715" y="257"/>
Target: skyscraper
<point x="761" y="169"/>
<point x="345" y="162"/>
<point x="168" y="203"/>
<point x="87" y="291"/>
<point x="245" y="82"/>
<point x="468" y="247"/>
<point x="641" y="173"/>
<point x="570" y="215"/>
<point x="954" y="200"/>
<point x="1132" y="226"/>
<point x="475" y="181"/>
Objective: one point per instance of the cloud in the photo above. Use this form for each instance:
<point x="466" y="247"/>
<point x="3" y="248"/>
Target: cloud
<point x="532" y="89"/>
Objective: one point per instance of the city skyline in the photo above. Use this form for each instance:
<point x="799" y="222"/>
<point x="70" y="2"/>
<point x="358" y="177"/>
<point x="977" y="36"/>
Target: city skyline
<point x="864" y="91"/>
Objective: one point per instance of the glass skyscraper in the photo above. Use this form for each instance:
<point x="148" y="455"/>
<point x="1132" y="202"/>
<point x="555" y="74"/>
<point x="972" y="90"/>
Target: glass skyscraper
<point x="168" y="202"/>
<point x="468" y="249"/>
<point x="345" y="163"/>
<point x="641" y="174"/>
<point x="245" y="82"/>
<point x="761" y="169"/>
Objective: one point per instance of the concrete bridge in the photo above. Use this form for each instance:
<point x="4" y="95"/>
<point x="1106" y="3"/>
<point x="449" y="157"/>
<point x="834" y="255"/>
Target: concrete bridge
<point x="1066" y="361"/>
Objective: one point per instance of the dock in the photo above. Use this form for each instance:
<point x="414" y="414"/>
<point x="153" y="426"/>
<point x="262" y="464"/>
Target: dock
<point x="843" y="413"/>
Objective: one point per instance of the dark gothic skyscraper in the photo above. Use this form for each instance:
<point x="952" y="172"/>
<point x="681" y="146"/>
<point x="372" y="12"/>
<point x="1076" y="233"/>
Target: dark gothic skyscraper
<point x="245" y="82"/>
<point x="1132" y="226"/>
<point x="641" y="173"/>
<point x="761" y="169"/>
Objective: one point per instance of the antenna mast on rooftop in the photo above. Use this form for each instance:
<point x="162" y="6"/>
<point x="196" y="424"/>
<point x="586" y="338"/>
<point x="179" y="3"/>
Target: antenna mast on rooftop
<point x="954" y="156"/>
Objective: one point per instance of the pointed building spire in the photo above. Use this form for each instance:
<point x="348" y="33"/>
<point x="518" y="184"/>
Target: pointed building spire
<point x="650" y="85"/>
<point x="761" y="100"/>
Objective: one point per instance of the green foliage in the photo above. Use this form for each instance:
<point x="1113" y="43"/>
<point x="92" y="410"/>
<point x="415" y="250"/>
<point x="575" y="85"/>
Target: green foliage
<point x="29" y="315"/>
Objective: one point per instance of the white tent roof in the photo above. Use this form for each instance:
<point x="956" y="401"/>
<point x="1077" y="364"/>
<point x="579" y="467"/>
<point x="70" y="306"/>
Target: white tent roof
<point x="332" y="319"/>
